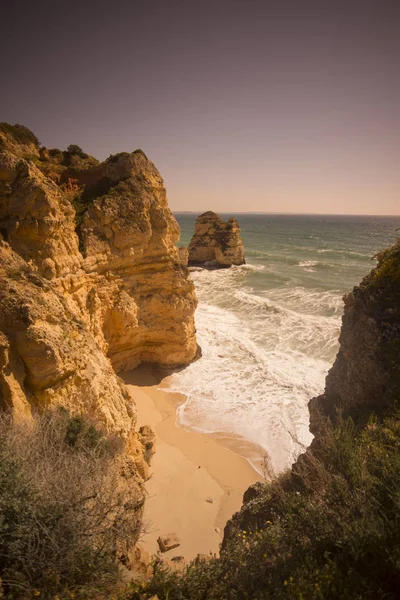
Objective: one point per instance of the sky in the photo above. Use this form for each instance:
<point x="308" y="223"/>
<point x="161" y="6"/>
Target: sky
<point x="243" y="105"/>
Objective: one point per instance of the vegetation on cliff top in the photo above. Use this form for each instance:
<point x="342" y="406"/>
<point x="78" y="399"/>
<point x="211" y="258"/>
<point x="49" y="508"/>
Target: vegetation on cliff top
<point x="379" y="295"/>
<point x="67" y="168"/>
<point x="20" y="133"/>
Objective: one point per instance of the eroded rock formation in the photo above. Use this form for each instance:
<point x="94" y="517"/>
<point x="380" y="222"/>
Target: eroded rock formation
<point x="105" y="239"/>
<point x="216" y="242"/>
<point x="90" y="283"/>
<point x="366" y="374"/>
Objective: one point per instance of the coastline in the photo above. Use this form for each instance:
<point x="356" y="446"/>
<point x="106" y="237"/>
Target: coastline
<point x="197" y="481"/>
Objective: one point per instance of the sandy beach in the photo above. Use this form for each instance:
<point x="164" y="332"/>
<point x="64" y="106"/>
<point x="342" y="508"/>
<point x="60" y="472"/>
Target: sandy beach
<point x="196" y="482"/>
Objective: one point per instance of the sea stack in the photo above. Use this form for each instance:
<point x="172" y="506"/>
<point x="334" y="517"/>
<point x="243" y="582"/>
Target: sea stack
<point x="216" y="243"/>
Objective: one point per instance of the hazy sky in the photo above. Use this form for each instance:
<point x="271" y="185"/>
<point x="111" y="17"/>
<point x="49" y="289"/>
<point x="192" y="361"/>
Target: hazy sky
<point x="244" y="105"/>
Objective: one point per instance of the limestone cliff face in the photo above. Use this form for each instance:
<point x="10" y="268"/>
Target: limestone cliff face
<point x="55" y="356"/>
<point x="216" y="242"/>
<point x="90" y="283"/>
<point x="36" y="219"/>
<point x="118" y="266"/>
<point x="366" y="373"/>
<point x="48" y="358"/>
<point x="131" y="232"/>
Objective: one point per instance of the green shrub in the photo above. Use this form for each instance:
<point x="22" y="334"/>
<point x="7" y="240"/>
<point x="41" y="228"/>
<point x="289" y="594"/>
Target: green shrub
<point x="65" y="517"/>
<point x="76" y="150"/>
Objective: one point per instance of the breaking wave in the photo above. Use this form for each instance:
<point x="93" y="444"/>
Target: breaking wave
<point x="269" y="329"/>
<point x="261" y="363"/>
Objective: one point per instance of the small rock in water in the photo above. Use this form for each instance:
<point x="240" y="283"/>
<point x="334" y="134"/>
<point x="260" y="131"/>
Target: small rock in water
<point x="210" y="500"/>
<point x="168" y="542"/>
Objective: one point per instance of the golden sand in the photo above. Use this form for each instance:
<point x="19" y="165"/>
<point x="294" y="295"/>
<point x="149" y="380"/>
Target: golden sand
<point x="197" y="483"/>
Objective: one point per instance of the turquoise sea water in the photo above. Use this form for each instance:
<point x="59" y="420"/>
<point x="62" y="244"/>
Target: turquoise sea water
<point x="269" y="329"/>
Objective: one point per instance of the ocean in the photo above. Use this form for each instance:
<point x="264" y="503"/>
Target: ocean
<point x="269" y="329"/>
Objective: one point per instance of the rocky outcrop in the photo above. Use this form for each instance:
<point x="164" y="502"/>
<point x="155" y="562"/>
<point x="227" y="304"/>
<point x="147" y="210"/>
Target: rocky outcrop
<point x="110" y="250"/>
<point x="47" y="353"/>
<point x="216" y="243"/>
<point x="91" y="284"/>
<point x="366" y="374"/>
<point x="36" y="219"/>
<point x="19" y="140"/>
<point x="365" y="378"/>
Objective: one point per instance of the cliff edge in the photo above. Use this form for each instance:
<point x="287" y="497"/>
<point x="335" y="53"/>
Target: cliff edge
<point x="366" y="374"/>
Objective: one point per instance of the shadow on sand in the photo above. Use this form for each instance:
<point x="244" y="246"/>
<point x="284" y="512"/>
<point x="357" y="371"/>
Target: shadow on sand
<point x="147" y="375"/>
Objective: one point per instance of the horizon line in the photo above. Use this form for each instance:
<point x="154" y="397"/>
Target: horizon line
<point x="254" y="212"/>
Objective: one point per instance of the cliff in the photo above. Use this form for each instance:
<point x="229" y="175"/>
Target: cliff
<point x="105" y="239"/>
<point x="216" y="242"/>
<point x="366" y="374"/>
<point x="90" y="283"/>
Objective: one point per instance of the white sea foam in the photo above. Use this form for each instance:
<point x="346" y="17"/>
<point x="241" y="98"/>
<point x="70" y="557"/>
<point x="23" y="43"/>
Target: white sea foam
<point x="345" y="252"/>
<point x="262" y="361"/>
<point x="308" y="265"/>
<point x="250" y="267"/>
<point x="269" y="330"/>
<point x="309" y="301"/>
